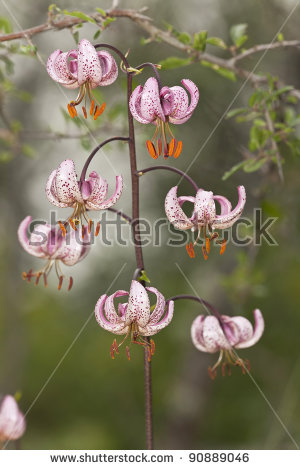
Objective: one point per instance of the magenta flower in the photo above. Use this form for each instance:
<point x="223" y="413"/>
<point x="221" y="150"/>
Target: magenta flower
<point x="49" y="243"/>
<point x="211" y="334"/>
<point x="204" y="215"/>
<point x="149" y="104"/>
<point x="84" y="68"/>
<point x="63" y="190"/>
<point x="12" y="421"/>
<point x="135" y="318"/>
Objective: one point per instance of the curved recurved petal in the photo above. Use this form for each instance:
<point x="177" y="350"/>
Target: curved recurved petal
<point x="111" y="201"/>
<point x="152" y="329"/>
<point x="34" y="250"/>
<point x="138" y="308"/>
<point x="135" y="105"/>
<point x="174" y="212"/>
<point x="226" y="220"/>
<point x="117" y="328"/>
<point x="224" y="204"/>
<point x="71" y="247"/>
<point x="159" y="307"/>
<point x="110" y="310"/>
<point x="205" y="208"/>
<point x="237" y="329"/>
<point x="150" y="101"/>
<point x="197" y="333"/>
<point x="12" y="421"/>
<point x="213" y="336"/>
<point x="51" y="191"/>
<point x="57" y="68"/>
<point x="180" y="103"/>
<point x="88" y="64"/>
<point x="194" y="92"/>
<point x="257" y="333"/>
<point x="99" y="188"/>
<point x="67" y="189"/>
<point x="167" y="100"/>
<point x="109" y="68"/>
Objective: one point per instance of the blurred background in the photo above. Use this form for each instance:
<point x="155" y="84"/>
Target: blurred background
<point x="92" y="402"/>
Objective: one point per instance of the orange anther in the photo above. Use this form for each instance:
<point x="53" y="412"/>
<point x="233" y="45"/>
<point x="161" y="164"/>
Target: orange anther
<point x="92" y="107"/>
<point x="212" y="373"/>
<point x="99" y="111"/>
<point x="45" y="280"/>
<point x="29" y="275"/>
<point x="178" y="149"/>
<point x="71" y="222"/>
<point x="37" y="278"/>
<point x="112" y="352"/>
<point x="90" y="225"/>
<point x="159" y="146"/>
<point x="70" y="283"/>
<point x="149" y="354"/>
<point x="223" y="247"/>
<point x="171" y="147"/>
<point x="152" y="347"/>
<point x="207" y="245"/>
<point x="151" y="149"/>
<point x="224" y="369"/>
<point x="97" y="229"/>
<point x="61" y="278"/>
<point x="190" y="250"/>
<point x="128" y="353"/>
<point x="63" y="228"/>
<point x="24" y="275"/>
<point x="115" y="346"/>
<point x="205" y="254"/>
<point x="84" y="112"/>
<point x="71" y="110"/>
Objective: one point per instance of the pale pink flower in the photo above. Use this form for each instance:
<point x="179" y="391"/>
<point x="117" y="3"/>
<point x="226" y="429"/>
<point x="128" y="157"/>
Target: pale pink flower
<point x="49" y="243"/>
<point x="84" y="68"/>
<point x="12" y="421"/>
<point x="149" y="104"/>
<point x="211" y="334"/>
<point x="134" y="318"/>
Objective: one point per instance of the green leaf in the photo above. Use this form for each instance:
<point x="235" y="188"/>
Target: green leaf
<point x="174" y="62"/>
<point x="280" y="37"/>
<point x="235" y="168"/>
<point x="76" y="36"/>
<point x="258" y="137"/>
<point x="143" y="277"/>
<point x="29" y="50"/>
<point x="5" y="25"/>
<point x="220" y="70"/>
<point x="5" y="156"/>
<point x="216" y="42"/>
<point x="254" y="165"/>
<point x="237" y="34"/>
<point x="199" y="42"/>
<point x="28" y="151"/>
<point x="185" y="38"/>
<point x="102" y="12"/>
<point x="108" y="21"/>
<point x="282" y="90"/>
<point x="97" y="34"/>
<point x="80" y="14"/>
<point x="235" y="112"/>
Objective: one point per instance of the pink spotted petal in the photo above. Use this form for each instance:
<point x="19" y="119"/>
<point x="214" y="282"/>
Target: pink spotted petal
<point x="109" y="68"/>
<point x="174" y="212"/>
<point x="152" y="329"/>
<point x="51" y="191"/>
<point x="150" y="101"/>
<point x="110" y="310"/>
<point x="117" y="328"/>
<point x="258" y="331"/>
<point x="89" y="68"/>
<point x="12" y="421"/>
<point x="135" y="105"/>
<point x="197" y="334"/>
<point x="214" y="338"/>
<point x="180" y="103"/>
<point x="111" y="201"/>
<point x="99" y="188"/>
<point x="138" y="308"/>
<point x="182" y="199"/>
<point x="57" y="68"/>
<point x="205" y="208"/>
<point x="167" y="100"/>
<point x="67" y="189"/>
<point x="194" y="94"/>
<point x="180" y="121"/>
<point x="73" y="247"/>
<point x="72" y="61"/>
<point x="224" y="204"/>
<point x="159" y="307"/>
<point x="34" y="250"/>
<point x="227" y="220"/>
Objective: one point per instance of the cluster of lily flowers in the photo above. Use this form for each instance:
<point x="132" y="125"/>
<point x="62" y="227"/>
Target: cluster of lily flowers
<point x="135" y="319"/>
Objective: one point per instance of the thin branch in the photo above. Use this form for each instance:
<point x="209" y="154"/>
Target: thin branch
<point x="265" y="47"/>
<point x="121" y="214"/>
<point x="274" y="145"/>
<point x="169" y="168"/>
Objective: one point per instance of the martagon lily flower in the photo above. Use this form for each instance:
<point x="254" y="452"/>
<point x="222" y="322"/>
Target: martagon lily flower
<point x="204" y="215"/>
<point x="211" y="334"/>
<point x="135" y="319"/>
<point x="12" y="421"/>
<point x="84" y="68"/>
<point x="48" y="242"/>
<point x="63" y="190"/>
<point x="149" y="104"/>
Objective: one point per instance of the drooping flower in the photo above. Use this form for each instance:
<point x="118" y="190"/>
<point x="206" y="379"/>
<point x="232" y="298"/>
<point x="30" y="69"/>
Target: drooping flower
<point x="135" y="319"/>
<point x="84" y="68"/>
<point x="149" y="104"/>
<point x="204" y="215"/>
<point x="211" y="334"/>
<point x="48" y="242"/>
<point x="12" y="421"/>
<point x="63" y="190"/>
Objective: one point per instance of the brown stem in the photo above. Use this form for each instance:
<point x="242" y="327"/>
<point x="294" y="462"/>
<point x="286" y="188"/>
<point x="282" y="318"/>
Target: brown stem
<point x="169" y="168"/>
<point x="124" y="216"/>
<point x="210" y="307"/>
